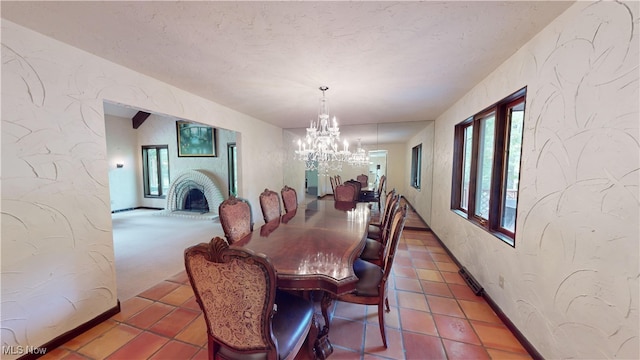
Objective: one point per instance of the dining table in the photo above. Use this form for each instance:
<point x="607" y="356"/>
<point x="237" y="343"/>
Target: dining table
<point x="312" y="249"/>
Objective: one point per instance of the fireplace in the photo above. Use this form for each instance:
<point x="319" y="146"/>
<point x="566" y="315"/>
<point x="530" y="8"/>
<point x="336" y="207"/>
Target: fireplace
<point x="194" y="193"/>
<point x="194" y="200"/>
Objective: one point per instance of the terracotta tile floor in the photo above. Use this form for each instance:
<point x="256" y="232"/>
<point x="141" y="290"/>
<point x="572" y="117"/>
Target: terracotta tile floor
<point x="434" y="315"/>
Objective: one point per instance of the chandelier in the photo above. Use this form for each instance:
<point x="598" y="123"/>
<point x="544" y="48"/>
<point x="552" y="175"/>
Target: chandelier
<point x="359" y="158"/>
<point x="320" y="149"/>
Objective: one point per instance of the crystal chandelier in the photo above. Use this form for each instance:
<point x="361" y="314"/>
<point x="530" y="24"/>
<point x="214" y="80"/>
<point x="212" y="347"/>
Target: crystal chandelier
<point x="359" y="158"/>
<point x="320" y="148"/>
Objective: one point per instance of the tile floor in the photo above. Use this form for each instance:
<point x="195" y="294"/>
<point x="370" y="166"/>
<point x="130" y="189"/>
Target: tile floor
<point x="434" y="315"/>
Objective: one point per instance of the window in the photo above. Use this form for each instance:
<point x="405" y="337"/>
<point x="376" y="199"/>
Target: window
<point x="232" y="159"/>
<point x="155" y="170"/>
<point x="486" y="166"/>
<point x="416" y="161"/>
<point x="466" y="165"/>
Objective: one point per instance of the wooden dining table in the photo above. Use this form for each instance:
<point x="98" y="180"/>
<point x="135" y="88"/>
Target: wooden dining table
<point x="313" y="248"/>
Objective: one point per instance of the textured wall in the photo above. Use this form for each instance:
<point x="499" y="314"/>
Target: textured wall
<point x="57" y="249"/>
<point x="571" y="282"/>
<point x="293" y="170"/>
<point x="125" y="185"/>
<point x="420" y="199"/>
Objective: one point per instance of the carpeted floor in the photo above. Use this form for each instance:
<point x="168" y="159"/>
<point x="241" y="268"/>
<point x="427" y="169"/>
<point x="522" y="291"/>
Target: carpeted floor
<point x="149" y="247"/>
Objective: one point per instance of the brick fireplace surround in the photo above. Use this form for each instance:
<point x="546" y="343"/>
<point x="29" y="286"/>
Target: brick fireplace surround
<point x="176" y="196"/>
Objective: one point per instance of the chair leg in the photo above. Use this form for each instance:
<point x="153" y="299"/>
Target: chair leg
<point x="381" y="323"/>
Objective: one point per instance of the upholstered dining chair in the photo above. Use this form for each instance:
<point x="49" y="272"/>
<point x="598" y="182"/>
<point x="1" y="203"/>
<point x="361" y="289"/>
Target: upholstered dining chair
<point x="375" y="230"/>
<point x="380" y="190"/>
<point x="246" y="316"/>
<point x="363" y="179"/>
<point x="371" y="288"/>
<point x="344" y="192"/>
<point x="357" y="185"/>
<point x="270" y="205"/>
<point x="374" y="249"/>
<point x="236" y="218"/>
<point x="289" y="198"/>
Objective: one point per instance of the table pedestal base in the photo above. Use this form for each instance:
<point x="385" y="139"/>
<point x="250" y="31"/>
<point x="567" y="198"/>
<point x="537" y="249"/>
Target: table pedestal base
<point x="319" y="345"/>
<point x="323" y="347"/>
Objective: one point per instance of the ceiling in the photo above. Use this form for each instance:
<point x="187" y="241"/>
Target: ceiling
<point x="397" y="64"/>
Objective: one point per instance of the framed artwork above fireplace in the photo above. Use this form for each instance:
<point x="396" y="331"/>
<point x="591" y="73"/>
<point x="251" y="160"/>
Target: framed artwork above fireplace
<point x="196" y="140"/>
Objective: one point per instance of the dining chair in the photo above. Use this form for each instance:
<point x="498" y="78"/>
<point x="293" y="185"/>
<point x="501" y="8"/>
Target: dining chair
<point x="380" y="190"/>
<point x="374" y="249"/>
<point x="236" y="218"/>
<point x="371" y="288"/>
<point x="357" y="187"/>
<point x="246" y="316"/>
<point x="363" y="179"/>
<point x="338" y="180"/>
<point x="270" y="205"/>
<point x="345" y="192"/>
<point x="374" y="231"/>
<point x="332" y="180"/>
<point x="289" y="198"/>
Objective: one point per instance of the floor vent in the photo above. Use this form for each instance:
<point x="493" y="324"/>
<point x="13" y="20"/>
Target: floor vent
<point x="471" y="281"/>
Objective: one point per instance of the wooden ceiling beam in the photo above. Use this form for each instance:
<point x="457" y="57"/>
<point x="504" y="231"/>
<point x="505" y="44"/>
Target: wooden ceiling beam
<point x="139" y="118"/>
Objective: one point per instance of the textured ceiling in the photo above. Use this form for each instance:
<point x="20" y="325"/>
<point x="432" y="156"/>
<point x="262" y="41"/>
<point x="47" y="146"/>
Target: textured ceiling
<point x="384" y="62"/>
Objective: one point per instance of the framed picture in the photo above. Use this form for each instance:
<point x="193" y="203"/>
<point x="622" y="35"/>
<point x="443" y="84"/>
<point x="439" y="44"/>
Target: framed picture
<point x="195" y="140"/>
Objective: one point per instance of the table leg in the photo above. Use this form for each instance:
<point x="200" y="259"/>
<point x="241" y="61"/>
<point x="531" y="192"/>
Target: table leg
<point x="325" y="303"/>
<point x="322" y="347"/>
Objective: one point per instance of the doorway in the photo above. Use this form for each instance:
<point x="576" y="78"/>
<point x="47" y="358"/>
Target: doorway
<point x="148" y="247"/>
<point x="377" y="166"/>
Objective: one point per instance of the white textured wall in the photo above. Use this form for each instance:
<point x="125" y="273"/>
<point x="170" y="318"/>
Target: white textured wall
<point x="396" y="167"/>
<point x="571" y="282"/>
<point x="420" y="199"/>
<point x="57" y="249"/>
<point x="293" y="170"/>
<point x="121" y="148"/>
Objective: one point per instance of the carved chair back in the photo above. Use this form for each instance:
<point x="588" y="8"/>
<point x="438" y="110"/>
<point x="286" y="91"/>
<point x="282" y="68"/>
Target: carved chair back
<point x="270" y="205"/>
<point x="363" y="179"/>
<point x="236" y="290"/>
<point x="289" y="198"/>
<point x="345" y="192"/>
<point x="236" y="218"/>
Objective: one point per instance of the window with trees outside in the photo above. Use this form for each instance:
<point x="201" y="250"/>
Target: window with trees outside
<point x="155" y="170"/>
<point x="486" y="166"/>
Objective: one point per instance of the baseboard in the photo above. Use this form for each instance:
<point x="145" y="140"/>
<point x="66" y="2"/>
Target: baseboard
<point x="59" y="340"/>
<point x="122" y="210"/>
<point x="525" y="343"/>
<point x="136" y="208"/>
<point x="418" y="215"/>
<point x="507" y="322"/>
